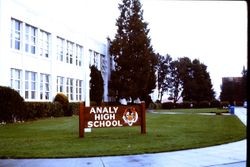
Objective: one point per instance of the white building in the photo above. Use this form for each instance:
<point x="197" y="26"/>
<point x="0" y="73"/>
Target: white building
<point x="39" y="57"/>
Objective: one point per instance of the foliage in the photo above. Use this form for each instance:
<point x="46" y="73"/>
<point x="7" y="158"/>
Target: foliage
<point x="63" y="100"/>
<point x="135" y="61"/>
<point x="204" y="104"/>
<point x="36" y="110"/>
<point x="177" y="83"/>
<point x="168" y="105"/>
<point x="96" y="85"/>
<point x="234" y="89"/>
<point x="215" y="103"/>
<point x="11" y="105"/>
<point x="163" y="74"/>
<point x="191" y="81"/>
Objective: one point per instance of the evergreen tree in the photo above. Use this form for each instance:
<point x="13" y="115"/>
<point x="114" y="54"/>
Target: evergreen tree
<point x="96" y="85"/>
<point x="135" y="61"/>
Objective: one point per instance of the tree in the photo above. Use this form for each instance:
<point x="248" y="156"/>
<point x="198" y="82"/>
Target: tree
<point x="233" y="89"/>
<point x="163" y="74"/>
<point x="244" y="84"/>
<point x="96" y="85"/>
<point x="202" y="86"/>
<point x="177" y="83"/>
<point x="135" y="61"/>
<point x="190" y="80"/>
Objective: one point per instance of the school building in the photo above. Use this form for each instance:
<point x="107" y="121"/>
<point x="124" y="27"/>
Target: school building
<point x="40" y="57"/>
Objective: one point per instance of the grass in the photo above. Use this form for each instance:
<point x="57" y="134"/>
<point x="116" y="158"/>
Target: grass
<point x="58" y="137"/>
<point x="197" y="110"/>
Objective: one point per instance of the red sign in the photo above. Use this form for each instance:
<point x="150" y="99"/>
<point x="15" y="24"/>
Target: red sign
<point x="111" y="116"/>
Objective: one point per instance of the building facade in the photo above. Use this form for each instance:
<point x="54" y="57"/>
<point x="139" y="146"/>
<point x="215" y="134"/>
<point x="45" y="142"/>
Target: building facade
<point x="39" y="57"/>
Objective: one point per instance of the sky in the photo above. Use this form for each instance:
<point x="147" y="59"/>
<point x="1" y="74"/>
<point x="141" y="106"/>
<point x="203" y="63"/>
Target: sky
<point x="215" y="32"/>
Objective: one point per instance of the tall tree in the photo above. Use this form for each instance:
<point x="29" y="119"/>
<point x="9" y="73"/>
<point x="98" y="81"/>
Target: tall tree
<point x="163" y="74"/>
<point x="133" y="54"/>
<point x="202" y="86"/>
<point x="190" y="80"/>
<point x="176" y="81"/>
<point x="96" y="85"/>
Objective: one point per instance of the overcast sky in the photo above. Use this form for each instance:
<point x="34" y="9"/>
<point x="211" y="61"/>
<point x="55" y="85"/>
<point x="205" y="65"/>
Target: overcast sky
<point x="215" y="32"/>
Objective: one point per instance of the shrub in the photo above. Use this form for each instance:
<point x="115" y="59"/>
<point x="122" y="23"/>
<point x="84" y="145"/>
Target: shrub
<point x="11" y="105"/>
<point x="168" y="105"/>
<point x="152" y="106"/>
<point x="34" y="110"/>
<point x="203" y="104"/>
<point x="224" y="104"/>
<point x="215" y="104"/>
<point x="187" y="104"/>
<point x="74" y="107"/>
<point x="57" y="109"/>
<point x="63" y="100"/>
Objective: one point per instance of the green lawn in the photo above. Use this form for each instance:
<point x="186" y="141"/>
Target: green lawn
<point x="196" y="110"/>
<point x="58" y="137"/>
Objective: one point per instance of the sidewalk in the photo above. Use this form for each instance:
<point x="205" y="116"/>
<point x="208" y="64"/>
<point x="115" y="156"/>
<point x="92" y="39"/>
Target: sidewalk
<point x="226" y="155"/>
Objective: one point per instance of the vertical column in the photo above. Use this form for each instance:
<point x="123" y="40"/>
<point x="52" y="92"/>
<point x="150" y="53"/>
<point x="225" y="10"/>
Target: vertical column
<point x="53" y="61"/>
<point x="86" y="75"/>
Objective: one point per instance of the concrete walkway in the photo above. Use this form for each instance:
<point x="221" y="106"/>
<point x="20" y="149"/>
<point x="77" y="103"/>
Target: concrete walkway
<point x="226" y="155"/>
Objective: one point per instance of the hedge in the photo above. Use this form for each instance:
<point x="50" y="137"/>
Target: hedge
<point x="11" y="105"/>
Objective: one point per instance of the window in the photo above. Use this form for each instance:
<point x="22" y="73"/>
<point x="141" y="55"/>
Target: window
<point x="15" y="80"/>
<point x="69" y="88"/>
<point x="30" y="85"/>
<point x="60" y="52"/>
<point x="60" y="83"/>
<point x="44" y="86"/>
<point x="79" y="53"/>
<point x="78" y="89"/>
<point x="103" y="63"/>
<point x="30" y="39"/>
<point x="16" y="34"/>
<point x="44" y="44"/>
<point x="69" y="54"/>
<point x="96" y="60"/>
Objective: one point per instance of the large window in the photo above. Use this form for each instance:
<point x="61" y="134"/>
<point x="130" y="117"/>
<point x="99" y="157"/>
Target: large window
<point x="30" y="39"/>
<point x="60" y="83"/>
<point x="69" y="88"/>
<point x="69" y="54"/>
<point x="15" y="80"/>
<point x="44" y="43"/>
<point x="79" y="53"/>
<point x="78" y="89"/>
<point x="44" y="86"/>
<point x="60" y="52"/>
<point x="30" y="85"/>
<point x="16" y="34"/>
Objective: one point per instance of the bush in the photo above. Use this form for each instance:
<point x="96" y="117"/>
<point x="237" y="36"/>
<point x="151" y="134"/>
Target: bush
<point x="34" y="110"/>
<point x="11" y="105"/>
<point x="215" y="104"/>
<point x="224" y="104"/>
<point x="74" y="107"/>
<point x="168" y="105"/>
<point x="57" y="109"/>
<point x="63" y="100"/>
<point x="203" y="104"/>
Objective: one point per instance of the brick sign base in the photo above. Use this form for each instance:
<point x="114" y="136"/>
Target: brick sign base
<point x="112" y="116"/>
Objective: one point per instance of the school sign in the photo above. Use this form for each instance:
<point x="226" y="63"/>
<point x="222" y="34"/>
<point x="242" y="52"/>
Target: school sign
<point x="111" y="116"/>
